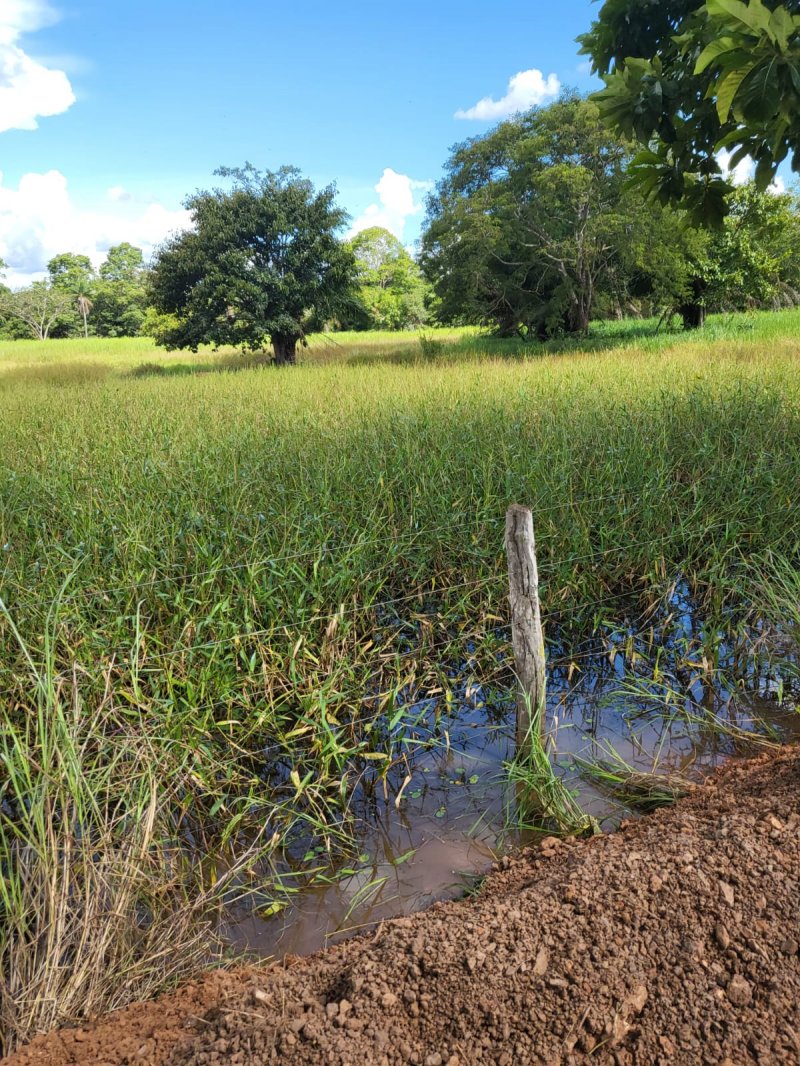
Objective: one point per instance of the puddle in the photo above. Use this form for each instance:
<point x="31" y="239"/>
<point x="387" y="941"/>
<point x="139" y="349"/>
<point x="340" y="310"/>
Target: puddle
<point x="453" y="818"/>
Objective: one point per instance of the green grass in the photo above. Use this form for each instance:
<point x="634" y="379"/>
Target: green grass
<point x="77" y="361"/>
<point x="636" y="789"/>
<point x="257" y="573"/>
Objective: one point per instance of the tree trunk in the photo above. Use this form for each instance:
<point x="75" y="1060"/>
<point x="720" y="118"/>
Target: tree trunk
<point x="693" y="315"/>
<point x="578" y="318"/>
<point x="285" y="347"/>
<point x="693" y="312"/>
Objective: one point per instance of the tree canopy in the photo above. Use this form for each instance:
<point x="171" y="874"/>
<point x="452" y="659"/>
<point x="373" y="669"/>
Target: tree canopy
<point x="392" y="291"/>
<point x="529" y="227"/>
<point x="120" y="292"/>
<point x="39" y="306"/>
<point x="261" y="262"/>
<point x="536" y="228"/>
<point x="689" y="80"/>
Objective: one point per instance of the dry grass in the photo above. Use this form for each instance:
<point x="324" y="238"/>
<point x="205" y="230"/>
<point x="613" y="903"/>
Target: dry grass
<point x="103" y="902"/>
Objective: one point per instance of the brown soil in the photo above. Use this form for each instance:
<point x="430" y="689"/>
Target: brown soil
<point x="674" y="941"/>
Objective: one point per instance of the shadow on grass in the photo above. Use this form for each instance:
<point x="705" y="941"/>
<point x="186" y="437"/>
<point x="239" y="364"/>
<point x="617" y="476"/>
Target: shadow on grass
<point x="649" y="335"/>
<point x="603" y="336"/>
<point x="645" y="334"/>
<point x="226" y="364"/>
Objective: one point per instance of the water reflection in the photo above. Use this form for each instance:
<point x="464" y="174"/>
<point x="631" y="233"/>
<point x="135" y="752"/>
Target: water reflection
<point x="443" y="815"/>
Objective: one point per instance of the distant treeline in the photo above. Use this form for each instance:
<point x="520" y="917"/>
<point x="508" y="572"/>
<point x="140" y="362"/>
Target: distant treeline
<point x="535" y="230"/>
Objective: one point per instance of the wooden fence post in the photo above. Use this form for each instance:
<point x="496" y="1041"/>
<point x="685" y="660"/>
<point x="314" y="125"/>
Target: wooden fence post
<point x="526" y="622"/>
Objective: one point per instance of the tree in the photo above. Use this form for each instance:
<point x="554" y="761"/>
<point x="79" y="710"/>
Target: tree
<point x="260" y="260"/>
<point x="84" y="307"/>
<point x="688" y="81"/>
<point x="123" y="263"/>
<point x="72" y="273"/>
<point x="39" y="306"/>
<point x="391" y="287"/>
<point x="526" y="229"/>
<point x="754" y="259"/>
<point x="120" y="294"/>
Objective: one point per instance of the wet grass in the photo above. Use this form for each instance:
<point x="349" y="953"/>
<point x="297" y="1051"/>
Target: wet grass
<point x="634" y="788"/>
<point x="255" y="576"/>
<point x="541" y="799"/>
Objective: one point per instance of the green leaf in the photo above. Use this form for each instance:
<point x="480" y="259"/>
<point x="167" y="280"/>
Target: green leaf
<point x="712" y="51"/>
<point x="759" y="97"/>
<point x="728" y="87"/>
<point x="753" y="15"/>
<point x="782" y="26"/>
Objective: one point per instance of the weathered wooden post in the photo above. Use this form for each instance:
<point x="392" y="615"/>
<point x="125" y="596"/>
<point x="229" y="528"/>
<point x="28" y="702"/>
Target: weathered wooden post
<point x="526" y="621"/>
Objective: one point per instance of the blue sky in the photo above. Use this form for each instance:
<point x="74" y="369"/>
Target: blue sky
<point x="136" y="104"/>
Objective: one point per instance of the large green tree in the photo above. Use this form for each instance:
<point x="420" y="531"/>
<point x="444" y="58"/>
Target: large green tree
<point x="263" y="258"/>
<point x="391" y="288"/>
<point x="753" y="260"/>
<point x="40" y="306"/>
<point x="688" y="80"/>
<point x="530" y="225"/>
<point x="73" y="274"/>
<point x="120" y="293"/>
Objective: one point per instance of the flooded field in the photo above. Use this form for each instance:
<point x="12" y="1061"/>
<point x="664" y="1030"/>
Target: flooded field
<point x="449" y="810"/>
<point x="255" y="672"/>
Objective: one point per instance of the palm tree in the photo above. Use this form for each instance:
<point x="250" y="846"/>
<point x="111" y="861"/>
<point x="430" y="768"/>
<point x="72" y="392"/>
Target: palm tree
<point x="84" y="306"/>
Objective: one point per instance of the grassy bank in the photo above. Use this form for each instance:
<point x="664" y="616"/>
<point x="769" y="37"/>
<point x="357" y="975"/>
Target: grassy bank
<point x="253" y="576"/>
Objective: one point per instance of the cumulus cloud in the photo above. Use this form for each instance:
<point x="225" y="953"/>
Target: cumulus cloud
<point x="29" y="90"/>
<point x="745" y="171"/>
<point x="39" y="219"/>
<point x="397" y="203"/>
<point x="525" y="90"/>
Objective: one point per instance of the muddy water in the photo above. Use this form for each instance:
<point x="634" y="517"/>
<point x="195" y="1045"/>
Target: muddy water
<point x="456" y="813"/>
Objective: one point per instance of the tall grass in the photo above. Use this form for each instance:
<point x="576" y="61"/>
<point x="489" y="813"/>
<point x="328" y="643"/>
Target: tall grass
<point x="237" y="585"/>
<point x="97" y="905"/>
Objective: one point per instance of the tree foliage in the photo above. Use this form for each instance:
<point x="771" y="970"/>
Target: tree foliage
<point x="120" y="293"/>
<point x="39" y="306"/>
<point x="689" y="80"/>
<point x="754" y="259"/>
<point x="72" y="273"/>
<point x="529" y="227"/>
<point x="392" y="291"/>
<point x="261" y="261"/>
<point x="536" y="227"/>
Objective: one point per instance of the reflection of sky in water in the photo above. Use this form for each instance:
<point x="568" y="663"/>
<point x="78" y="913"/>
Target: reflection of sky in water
<point x="455" y="811"/>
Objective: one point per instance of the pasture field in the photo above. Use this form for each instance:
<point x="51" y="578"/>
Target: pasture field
<point x="226" y="596"/>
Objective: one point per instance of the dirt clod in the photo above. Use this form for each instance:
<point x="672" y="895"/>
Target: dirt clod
<point x="722" y="936"/>
<point x="740" y="991"/>
<point x="674" y="942"/>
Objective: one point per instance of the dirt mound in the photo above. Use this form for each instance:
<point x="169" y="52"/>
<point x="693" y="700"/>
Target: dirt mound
<point x="674" y="941"/>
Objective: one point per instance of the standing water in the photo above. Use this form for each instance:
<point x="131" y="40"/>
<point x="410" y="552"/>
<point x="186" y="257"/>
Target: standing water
<point x="449" y="811"/>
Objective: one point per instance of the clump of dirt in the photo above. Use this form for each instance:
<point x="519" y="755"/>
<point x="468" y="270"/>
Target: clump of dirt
<point x="674" y="941"/>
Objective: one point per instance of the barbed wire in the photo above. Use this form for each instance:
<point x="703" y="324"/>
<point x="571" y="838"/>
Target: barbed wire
<point x="568" y="502"/>
<point x="270" y="562"/>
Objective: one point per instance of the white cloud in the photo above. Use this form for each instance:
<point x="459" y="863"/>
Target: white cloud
<point x="28" y="88"/>
<point x="118" y="194"/>
<point x="397" y="204"/>
<point x="525" y="90"/>
<point x="39" y="219"/>
<point x="745" y="171"/>
<point x="741" y="173"/>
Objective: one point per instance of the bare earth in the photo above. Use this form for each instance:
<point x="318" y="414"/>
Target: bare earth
<point x="673" y="941"/>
